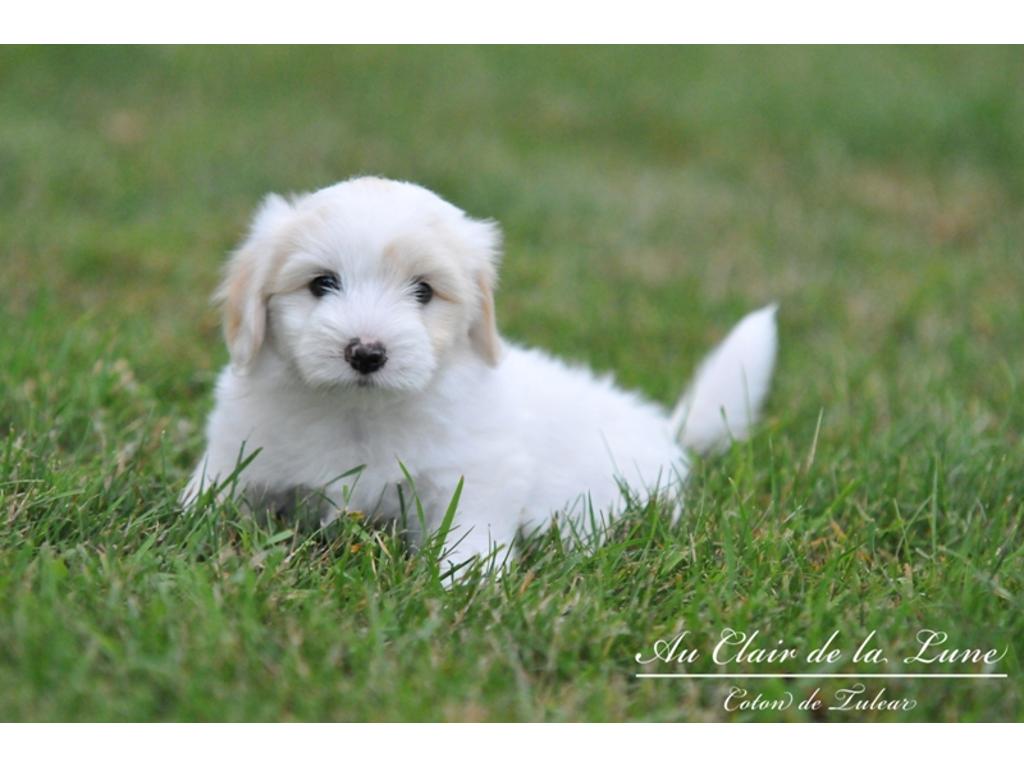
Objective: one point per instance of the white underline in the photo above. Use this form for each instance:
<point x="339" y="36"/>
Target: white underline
<point x="778" y="675"/>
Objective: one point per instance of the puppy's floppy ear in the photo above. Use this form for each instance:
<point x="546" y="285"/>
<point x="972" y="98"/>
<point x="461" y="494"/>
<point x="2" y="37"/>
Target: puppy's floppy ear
<point x="243" y="292"/>
<point x="485" y="242"/>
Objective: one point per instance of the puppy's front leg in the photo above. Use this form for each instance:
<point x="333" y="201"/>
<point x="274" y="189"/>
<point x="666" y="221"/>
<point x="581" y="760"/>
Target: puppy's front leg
<point x="492" y="542"/>
<point x="485" y="526"/>
<point x="200" y="481"/>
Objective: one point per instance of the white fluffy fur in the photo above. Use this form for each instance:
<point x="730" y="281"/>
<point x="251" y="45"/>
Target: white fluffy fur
<point x="530" y="435"/>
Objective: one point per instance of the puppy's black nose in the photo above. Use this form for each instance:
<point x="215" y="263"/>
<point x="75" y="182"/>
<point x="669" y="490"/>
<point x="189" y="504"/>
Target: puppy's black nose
<point x="365" y="358"/>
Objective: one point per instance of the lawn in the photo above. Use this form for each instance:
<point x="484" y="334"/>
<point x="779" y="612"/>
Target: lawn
<point x="649" y="198"/>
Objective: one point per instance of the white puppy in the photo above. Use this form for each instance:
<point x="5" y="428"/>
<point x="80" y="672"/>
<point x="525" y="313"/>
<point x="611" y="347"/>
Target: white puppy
<point x="360" y="321"/>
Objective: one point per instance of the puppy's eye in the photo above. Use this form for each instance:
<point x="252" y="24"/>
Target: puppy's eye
<point x="325" y="283"/>
<point x="423" y="292"/>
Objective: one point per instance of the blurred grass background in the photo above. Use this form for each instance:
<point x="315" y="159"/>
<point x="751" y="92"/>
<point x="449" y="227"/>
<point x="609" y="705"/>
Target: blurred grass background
<point x="649" y="197"/>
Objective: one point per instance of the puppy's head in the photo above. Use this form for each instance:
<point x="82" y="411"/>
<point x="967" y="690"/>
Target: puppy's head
<point x="370" y="282"/>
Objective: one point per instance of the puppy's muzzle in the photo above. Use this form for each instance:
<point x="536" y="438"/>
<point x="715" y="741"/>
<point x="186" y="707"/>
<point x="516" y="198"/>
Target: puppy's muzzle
<point x="365" y="358"/>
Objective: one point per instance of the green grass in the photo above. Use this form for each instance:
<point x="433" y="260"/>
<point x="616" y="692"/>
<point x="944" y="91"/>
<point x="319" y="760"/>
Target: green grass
<point x="649" y="198"/>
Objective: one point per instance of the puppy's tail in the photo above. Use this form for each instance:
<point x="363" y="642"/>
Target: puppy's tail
<point x="723" y="400"/>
